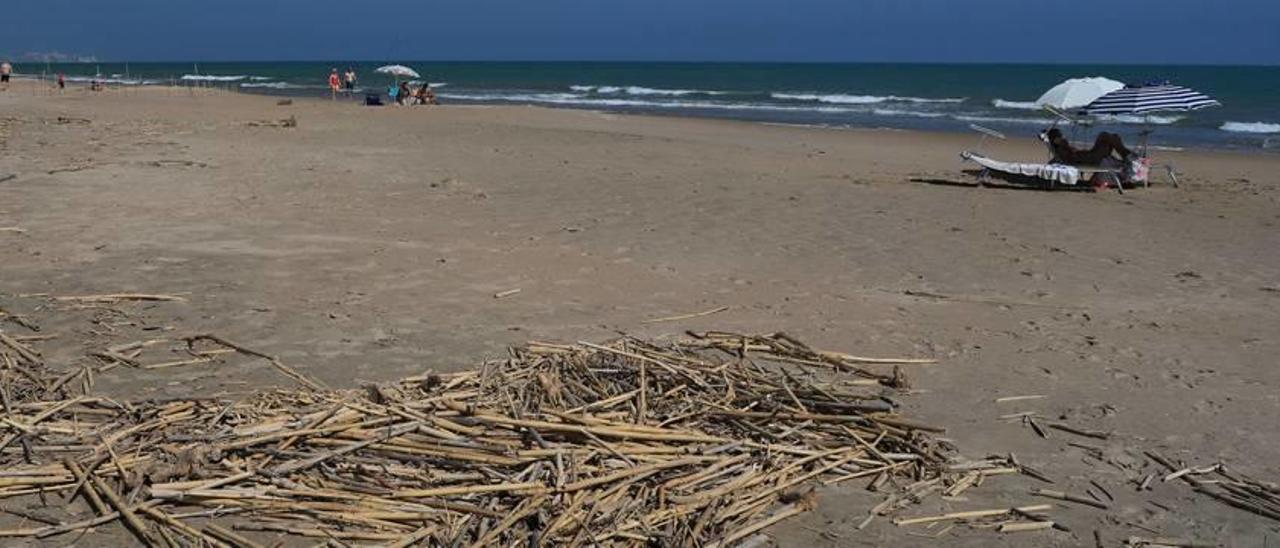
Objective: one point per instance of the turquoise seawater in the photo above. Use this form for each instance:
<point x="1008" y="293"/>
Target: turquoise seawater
<point x="908" y="96"/>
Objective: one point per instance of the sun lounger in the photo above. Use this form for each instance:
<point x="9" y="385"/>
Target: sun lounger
<point x="1052" y="174"/>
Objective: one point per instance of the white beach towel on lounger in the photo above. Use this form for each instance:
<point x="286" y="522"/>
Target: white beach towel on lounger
<point x="1066" y="175"/>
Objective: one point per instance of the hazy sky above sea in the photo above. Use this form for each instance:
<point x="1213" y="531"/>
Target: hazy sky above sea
<point x="1091" y="31"/>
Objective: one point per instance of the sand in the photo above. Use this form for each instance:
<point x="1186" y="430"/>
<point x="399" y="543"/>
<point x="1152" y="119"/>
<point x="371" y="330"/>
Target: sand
<point x="369" y="244"/>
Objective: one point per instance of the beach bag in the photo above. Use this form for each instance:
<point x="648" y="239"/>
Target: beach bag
<point x="1137" y="169"/>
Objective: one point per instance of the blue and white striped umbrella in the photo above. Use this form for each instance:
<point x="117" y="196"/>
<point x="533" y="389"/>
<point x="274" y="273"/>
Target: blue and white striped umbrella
<point x="1145" y="99"/>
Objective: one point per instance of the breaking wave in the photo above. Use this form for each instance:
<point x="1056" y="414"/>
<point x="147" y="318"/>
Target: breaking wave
<point x="1016" y="105"/>
<point x="115" y="80"/>
<point x="1003" y="120"/>
<point x="1250" y="127"/>
<point x="278" y="85"/>
<point x="843" y="99"/>
<point x="639" y="90"/>
<point x="213" y="78"/>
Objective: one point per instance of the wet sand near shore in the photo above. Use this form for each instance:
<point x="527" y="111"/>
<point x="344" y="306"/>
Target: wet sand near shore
<point x="371" y="244"/>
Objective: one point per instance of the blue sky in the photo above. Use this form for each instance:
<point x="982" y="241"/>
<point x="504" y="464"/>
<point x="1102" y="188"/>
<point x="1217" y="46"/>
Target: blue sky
<point x="1091" y="31"/>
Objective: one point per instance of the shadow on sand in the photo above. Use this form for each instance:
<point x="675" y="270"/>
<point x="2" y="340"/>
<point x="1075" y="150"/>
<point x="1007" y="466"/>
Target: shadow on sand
<point x="1001" y="181"/>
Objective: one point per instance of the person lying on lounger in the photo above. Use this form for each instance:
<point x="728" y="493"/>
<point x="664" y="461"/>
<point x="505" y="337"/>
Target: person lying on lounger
<point x="1107" y="145"/>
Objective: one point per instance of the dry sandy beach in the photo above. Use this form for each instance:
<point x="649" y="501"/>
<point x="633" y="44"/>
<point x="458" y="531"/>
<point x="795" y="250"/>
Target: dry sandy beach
<point x="369" y="244"/>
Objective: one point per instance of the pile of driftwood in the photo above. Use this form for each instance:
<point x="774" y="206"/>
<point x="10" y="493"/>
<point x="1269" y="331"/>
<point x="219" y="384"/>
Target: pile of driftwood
<point x="699" y="442"/>
<point x="1230" y="488"/>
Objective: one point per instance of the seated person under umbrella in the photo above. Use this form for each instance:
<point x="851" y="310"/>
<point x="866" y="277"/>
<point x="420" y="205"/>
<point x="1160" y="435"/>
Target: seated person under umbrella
<point x="1107" y="145"/>
<point x="403" y="93"/>
<point x="425" y="95"/>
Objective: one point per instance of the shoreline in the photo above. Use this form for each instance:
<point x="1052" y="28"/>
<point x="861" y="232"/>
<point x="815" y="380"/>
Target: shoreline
<point x="1225" y="140"/>
<point x="963" y="140"/>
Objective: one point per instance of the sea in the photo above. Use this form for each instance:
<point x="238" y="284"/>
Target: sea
<point x="942" y="97"/>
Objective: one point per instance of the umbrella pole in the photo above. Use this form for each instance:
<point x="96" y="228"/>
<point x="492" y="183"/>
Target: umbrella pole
<point x="1146" y="132"/>
<point x="1170" y="170"/>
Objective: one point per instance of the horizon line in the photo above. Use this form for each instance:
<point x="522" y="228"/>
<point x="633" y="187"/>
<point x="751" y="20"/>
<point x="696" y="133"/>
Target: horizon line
<point x="654" y="61"/>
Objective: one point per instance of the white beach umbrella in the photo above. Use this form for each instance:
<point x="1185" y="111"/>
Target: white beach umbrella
<point x="1077" y="92"/>
<point x="401" y="70"/>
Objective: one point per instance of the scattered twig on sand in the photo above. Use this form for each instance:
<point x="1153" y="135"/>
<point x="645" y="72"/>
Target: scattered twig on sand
<point x="1059" y="495"/>
<point x="1095" y="434"/>
<point x="288" y="371"/>
<point x="118" y="297"/>
<point x="982" y="300"/>
<point x="972" y="514"/>
<point x="69" y="169"/>
<point x="1168" y="542"/>
<point x="716" y="310"/>
<point x="290" y="122"/>
<point x="1021" y="527"/>
<point x="1229" y="488"/>
<point x="507" y="293"/>
<point x="1035" y="426"/>
<point x="1008" y="399"/>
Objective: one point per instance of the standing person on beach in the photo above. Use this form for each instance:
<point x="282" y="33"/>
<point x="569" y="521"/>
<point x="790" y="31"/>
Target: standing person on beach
<point x="6" y="70"/>
<point x="334" y="83"/>
<point x="349" y="80"/>
<point x="62" y="81"/>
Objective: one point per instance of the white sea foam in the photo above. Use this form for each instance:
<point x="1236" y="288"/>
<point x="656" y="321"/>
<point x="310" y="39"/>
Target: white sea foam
<point x="640" y="90"/>
<point x="278" y="85"/>
<point x="116" y="80"/>
<point x="1002" y="119"/>
<point x="1017" y="105"/>
<point x="416" y="83"/>
<point x="590" y="101"/>
<point x="911" y="113"/>
<point x="567" y="98"/>
<point x="1250" y="127"/>
<point x="637" y="90"/>
<point x="579" y="99"/>
<point x="838" y="99"/>
<point x="844" y="99"/>
<point x="213" y="78"/>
